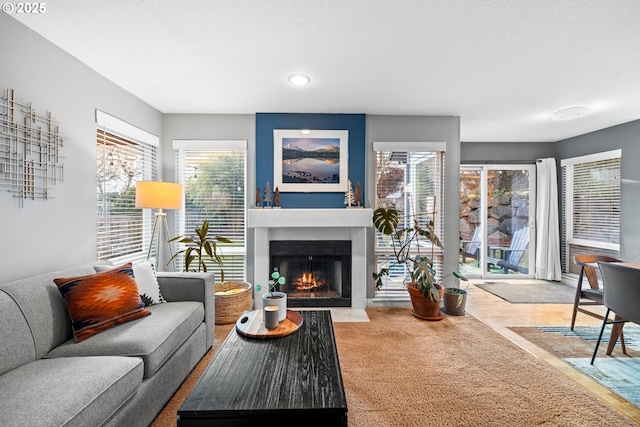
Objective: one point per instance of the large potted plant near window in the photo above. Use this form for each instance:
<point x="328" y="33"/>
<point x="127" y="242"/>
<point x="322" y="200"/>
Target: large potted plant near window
<point x="407" y="242"/>
<point x="199" y="247"/>
<point x="232" y="298"/>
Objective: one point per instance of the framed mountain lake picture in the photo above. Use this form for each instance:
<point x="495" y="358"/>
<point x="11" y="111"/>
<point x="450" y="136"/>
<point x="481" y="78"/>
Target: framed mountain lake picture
<point x="310" y="160"/>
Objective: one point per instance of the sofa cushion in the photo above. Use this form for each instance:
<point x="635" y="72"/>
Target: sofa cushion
<point x="78" y="391"/>
<point x="152" y="338"/>
<point x="17" y="346"/>
<point x="101" y="301"/>
<point x="43" y="306"/>
<point x="145" y="274"/>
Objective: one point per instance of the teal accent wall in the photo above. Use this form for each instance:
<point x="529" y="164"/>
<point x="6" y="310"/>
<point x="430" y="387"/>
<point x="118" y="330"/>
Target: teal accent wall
<point x="267" y="122"/>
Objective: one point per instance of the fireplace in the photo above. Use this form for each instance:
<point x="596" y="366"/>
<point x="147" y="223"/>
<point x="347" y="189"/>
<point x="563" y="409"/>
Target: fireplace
<point x="318" y="272"/>
<point x="310" y="224"/>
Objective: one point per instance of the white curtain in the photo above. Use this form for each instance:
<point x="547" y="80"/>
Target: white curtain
<point x="548" y="226"/>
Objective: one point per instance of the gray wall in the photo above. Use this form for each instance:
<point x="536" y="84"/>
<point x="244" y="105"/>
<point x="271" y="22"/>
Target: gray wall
<point x="61" y="232"/>
<point x="505" y="152"/>
<point x="627" y="138"/>
<point x="421" y="129"/>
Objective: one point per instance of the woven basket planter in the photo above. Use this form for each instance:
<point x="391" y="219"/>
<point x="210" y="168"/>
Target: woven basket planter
<point x="230" y="306"/>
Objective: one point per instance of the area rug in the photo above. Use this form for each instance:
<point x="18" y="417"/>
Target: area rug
<point x="531" y="293"/>
<point x="401" y="371"/>
<point x="618" y="373"/>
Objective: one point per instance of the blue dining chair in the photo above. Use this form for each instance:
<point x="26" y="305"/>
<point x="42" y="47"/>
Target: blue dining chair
<point x="621" y="286"/>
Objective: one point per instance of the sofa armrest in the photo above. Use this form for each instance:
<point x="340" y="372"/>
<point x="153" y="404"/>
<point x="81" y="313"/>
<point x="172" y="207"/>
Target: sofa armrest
<point x="182" y="286"/>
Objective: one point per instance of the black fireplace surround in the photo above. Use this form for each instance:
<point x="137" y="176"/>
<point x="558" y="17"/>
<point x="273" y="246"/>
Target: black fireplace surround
<point x="318" y="272"/>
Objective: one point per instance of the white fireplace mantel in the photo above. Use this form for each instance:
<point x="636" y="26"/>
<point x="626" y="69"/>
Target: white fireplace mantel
<point x="340" y="218"/>
<point x="312" y="224"/>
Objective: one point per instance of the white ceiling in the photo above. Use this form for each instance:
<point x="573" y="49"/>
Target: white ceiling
<point x="503" y="66"/>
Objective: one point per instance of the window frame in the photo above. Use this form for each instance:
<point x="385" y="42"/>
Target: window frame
<point x="180" y="147"/>
<point x="148" y="145"/>
<point x="569" y="239"/>
<point x="393" y="285"/>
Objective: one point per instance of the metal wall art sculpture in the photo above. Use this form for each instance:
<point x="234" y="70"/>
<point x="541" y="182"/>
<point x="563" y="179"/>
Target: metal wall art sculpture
<point x="30" y="144"/>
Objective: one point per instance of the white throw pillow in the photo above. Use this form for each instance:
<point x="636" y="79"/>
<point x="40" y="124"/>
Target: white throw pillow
<point x="144" y="273"/>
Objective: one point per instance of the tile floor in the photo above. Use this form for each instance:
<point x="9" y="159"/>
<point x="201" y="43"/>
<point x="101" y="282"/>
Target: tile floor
<point x="343" y="314"/>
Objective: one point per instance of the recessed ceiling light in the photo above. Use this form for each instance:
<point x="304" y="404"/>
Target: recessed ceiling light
<point x="570" y="113"/>
<point x="299" y="79"/>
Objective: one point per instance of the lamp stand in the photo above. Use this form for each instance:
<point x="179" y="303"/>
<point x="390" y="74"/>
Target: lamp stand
<point x="160" y="222"/>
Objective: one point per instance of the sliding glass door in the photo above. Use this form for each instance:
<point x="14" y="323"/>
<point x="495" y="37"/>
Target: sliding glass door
<point x="497" y="220"/>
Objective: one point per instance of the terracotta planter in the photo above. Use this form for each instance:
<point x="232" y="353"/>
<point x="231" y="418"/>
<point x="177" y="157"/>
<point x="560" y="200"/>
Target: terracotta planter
<point x="424" y="308"/>
<point x="450" y="302"/>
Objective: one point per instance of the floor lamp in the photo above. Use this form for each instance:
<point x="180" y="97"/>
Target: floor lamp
<point x="159" y="195"/>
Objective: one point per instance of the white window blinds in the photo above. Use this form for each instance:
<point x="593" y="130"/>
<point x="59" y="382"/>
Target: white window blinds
<point x="123" y="232"/>
<point x="411" y="177"/>
<point x="214" y="175"/>
<point x="591" y="206"/>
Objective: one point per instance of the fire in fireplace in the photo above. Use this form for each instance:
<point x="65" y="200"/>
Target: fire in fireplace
<point x="318" y="272"/>
<point x="307" y="282"/>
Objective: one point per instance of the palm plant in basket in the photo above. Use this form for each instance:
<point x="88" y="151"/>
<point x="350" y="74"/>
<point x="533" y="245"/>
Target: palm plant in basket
<point x="201" y="246"/>
<point x="407" y="242"/>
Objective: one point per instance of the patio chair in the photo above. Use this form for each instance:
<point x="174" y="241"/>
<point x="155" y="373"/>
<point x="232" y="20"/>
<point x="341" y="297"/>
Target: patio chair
<point x="471" y="248"/>
<point x="621" y="285"/>
<point x="510" y="257"/>
<point x="593" y="294"/>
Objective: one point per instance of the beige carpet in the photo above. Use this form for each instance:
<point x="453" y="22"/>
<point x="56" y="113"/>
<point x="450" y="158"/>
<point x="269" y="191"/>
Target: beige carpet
<point x="400" y="371"/>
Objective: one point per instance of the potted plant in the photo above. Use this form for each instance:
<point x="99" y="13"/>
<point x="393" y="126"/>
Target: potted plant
<point x="204" y="246"/>
<point x="274" y="297"/>
<point x="424" y="290"/>
<point x="454" y="301"/>
<point x="231" y="298"/>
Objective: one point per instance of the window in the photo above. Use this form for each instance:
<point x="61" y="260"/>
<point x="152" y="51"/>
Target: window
<point x="591" y="206"/>
<point x="124" y="155"/>
<point x="410" y="176"/>
<point x="214" y="176"/>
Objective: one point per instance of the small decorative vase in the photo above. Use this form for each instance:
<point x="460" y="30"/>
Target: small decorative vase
<point x="279" y="299"/>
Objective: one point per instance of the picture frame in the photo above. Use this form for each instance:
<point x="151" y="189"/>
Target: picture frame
<point x="310" y="160"/>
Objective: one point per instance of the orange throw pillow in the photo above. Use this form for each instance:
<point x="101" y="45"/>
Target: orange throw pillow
<point x="101" y="301"/>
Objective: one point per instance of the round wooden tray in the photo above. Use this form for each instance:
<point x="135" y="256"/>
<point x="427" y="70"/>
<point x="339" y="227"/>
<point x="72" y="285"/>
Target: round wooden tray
<point x="250" y="325"/>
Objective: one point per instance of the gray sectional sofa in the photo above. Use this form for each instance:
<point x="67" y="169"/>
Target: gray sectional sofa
<point x="120" y="377"/>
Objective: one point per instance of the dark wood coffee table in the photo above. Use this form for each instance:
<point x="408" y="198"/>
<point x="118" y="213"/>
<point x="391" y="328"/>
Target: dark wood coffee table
<point x="292" y="380"/>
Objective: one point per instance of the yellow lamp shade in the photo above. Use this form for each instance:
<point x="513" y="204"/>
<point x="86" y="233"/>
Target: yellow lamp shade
<point x="158" y="195"/>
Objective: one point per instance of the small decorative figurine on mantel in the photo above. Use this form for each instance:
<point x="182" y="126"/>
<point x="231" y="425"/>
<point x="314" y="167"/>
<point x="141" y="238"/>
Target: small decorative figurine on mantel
<point x="267" y="195"/>
<point x="348" y="195"/>
<point x="258" y="199"/>
<point x="357" y="196"/>
<point x="276" y="199"/>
